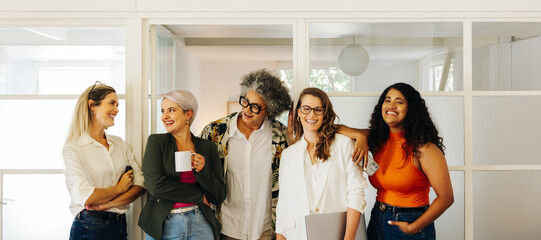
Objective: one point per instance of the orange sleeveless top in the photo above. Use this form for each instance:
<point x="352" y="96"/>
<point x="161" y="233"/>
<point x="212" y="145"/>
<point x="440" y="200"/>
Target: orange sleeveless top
<point x="398" y="181"/>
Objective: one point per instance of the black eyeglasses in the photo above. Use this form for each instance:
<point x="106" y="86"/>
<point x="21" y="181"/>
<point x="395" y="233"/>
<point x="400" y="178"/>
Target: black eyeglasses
<point x="254" y="107"/>
<point x="305" y="109"/>
<point x="93" y="86"/>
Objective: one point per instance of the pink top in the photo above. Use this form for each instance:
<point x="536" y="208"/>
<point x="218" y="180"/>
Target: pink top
<point x="186" y="177"/>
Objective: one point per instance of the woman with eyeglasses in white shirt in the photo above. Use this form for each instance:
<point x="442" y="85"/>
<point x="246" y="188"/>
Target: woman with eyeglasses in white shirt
<point x="102" y="174"/>
<point x="316" y="171"/>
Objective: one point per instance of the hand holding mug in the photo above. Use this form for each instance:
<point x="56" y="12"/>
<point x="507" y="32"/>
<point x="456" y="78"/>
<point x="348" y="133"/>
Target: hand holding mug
<point x="198" y="162"/>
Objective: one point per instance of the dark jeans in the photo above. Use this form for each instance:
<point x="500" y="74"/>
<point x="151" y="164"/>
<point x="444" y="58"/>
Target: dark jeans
<point x="90" y="225"/>
<point x="379" y="229"/>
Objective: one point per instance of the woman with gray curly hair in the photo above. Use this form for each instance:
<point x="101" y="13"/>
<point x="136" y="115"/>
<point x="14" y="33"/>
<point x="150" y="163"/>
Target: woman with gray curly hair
<point x="250" y="144"/>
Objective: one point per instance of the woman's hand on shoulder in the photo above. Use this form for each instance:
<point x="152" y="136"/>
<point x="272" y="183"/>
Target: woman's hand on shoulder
<point x="360" y="150"/>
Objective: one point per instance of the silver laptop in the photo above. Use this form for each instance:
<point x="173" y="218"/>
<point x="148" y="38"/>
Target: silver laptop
<point x="331" y="226"/>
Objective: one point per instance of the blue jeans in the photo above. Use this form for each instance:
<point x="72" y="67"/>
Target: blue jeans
<point x="379" y="229"/>
<point x="190" y="225"/>
<point x="89" y="225"/>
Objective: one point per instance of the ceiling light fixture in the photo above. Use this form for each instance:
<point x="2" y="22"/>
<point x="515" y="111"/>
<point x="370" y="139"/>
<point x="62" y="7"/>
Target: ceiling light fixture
<point x="353" y="59"/>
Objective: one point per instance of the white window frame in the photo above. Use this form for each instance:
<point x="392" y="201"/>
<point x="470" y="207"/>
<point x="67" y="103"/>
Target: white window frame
<point x="133" y="61"/>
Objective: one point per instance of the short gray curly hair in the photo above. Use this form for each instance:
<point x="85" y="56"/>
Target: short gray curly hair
<point x="270" y="87"/>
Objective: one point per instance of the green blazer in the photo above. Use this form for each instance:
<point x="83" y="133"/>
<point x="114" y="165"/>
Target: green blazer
<point x="164" y="186"/>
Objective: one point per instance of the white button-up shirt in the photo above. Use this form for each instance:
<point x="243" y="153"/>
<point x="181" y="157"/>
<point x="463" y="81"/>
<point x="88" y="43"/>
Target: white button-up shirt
<point x="246" y="211"/>
<point x="90" y="165"/>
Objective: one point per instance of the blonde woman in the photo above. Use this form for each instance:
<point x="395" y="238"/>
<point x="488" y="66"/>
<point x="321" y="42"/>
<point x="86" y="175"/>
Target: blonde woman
<point x="317" y="169"/>
<point x="96" y="164"/>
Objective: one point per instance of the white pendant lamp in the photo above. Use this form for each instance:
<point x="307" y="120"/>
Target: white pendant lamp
<point x="353" y="60"/>
<point x="4" y="61"/>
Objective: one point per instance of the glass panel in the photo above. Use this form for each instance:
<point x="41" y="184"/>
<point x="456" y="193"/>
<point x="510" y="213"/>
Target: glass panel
<point x="166" y="63"/>
<point x="450" y="225"/>
<point x="213" y="59"/>
<point x="500" y="124"/>
<point x="37" y="207"/>
<point x="349" y="57"/>
<point x="505" y="205"/>
<point x="448" y="115"/>
<point x="61" y="60"/>
<point x="446" y="112"/>
<point x="34" y="131"/>
<point x="354" y="111"/>
<point x="506" y="56"/>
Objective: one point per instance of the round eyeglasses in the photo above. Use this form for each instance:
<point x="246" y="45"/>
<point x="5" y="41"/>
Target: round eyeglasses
<point x="305" y="109"/>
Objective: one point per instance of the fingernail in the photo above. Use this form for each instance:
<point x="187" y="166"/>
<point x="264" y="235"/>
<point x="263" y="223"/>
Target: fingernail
<point x="389" y="222"/>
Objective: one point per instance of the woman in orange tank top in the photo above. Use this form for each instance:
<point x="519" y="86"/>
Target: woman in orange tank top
<point x="406" y="145"/>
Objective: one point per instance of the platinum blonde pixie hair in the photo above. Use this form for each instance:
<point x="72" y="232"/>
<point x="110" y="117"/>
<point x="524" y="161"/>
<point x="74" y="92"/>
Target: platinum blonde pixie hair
<point x="185" y="99"/>
<point x="270" y="87"/>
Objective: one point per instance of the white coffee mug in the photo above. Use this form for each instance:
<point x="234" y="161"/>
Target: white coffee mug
<point x="183" y="161"/>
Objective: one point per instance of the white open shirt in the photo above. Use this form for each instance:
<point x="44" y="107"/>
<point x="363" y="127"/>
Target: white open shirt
<point x="246" y="211"/>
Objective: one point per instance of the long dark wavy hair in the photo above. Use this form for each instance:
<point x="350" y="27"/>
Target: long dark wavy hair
<point x="418" y="126"/>
<point x="327" y="129"/>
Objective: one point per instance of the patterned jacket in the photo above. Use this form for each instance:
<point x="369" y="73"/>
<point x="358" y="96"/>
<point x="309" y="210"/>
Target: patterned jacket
<point x="218" y="132"/>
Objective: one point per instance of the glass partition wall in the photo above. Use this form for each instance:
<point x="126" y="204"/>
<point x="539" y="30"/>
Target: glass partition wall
<point x="43" y="70"/>
<point x="210" y="59"/>
<point x="363" y="57"/>
<point x="480" y="80"/>
<point x="505" y="104"/>
<point x="485" y="112"/>
<point x="476" y="78"/>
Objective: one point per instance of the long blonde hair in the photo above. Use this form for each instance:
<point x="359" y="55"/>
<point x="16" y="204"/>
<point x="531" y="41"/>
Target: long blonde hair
<point x="82" y="116"/>
<point x="327" y="129"/>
